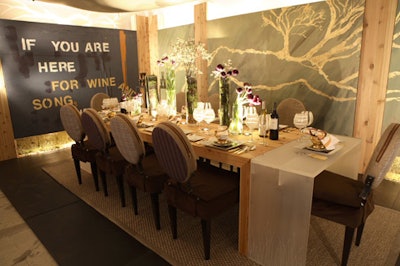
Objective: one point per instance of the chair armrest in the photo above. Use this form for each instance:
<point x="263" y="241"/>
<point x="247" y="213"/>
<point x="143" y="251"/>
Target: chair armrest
<point x="367" y="189"/>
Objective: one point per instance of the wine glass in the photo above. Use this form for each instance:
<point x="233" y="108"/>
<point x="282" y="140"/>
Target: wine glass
<point x="303" y="120"/>
<point x="251" y="120"/>
<point x="198" y="113"/>
<point x="263" y="126"/>
<point x="209" y="114"/>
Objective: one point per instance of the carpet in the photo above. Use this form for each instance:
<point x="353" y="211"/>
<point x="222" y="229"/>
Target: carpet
<point x="380" y="244"/>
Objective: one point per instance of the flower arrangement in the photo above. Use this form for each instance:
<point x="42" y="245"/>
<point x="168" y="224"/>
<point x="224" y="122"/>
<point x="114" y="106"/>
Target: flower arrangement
<point x="225" y="70"/>
<point x="170" y="65"/>
<point x="186" y="52"/>
<point x="245" y="95"/>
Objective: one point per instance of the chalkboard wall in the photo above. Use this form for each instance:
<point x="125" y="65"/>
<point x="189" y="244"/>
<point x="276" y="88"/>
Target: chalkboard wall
<point x="46" y="66"/>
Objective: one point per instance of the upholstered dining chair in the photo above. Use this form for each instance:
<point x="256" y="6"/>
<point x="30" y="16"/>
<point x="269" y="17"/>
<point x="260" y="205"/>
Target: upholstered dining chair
<point x="81" y="150"/>
<point x="144" y="172"/>
<point x="349" y="202"/>
<point x="109" y="160"/>
<point x="287" y="108"/>
<point x="97" y="100"/>
<point x="203" y="192"/>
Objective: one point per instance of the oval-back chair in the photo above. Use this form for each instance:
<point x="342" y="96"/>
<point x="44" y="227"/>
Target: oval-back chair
<point x="81" y="150"/>
<point x="203" y="191"/>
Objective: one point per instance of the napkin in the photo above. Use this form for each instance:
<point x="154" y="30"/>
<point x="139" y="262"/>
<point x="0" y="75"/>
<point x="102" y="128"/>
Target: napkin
<point x="330" y="141"/>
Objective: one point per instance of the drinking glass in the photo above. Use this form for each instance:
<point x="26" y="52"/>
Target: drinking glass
<point x="198" y="113"/>
<point x="209" y="114"/>
<point x="302" y="120"/>
<point x="263" y="126"/>
<point x="251" y="120"/>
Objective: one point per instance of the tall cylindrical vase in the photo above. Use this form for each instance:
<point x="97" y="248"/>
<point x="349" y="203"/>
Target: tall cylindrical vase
<point x="236" y="124"/>
<point x="171" y="92"/>
<point x="223" y="111"/>
<point x="191" y="99"/>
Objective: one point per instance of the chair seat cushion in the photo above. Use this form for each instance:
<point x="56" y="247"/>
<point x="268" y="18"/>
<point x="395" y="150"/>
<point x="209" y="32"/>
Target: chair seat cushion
<point x="112" y="163"/>
<point x="210" y="191"/>
<point x="84" y="152"/>
<point x="151" y="180"/>
<point x="346" y="215"/>
<point x="338" y="189"/>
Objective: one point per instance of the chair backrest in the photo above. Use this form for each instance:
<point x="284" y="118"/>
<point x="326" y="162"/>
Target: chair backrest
<point x="71" y="121"/>
<point x="384" y="154"/>
<point x="96" y="130"/>
<point x="174" y="151"/>
<point x="287" y="109"/>
<point x="127" y="138"/>
<point x="97" y="100"/>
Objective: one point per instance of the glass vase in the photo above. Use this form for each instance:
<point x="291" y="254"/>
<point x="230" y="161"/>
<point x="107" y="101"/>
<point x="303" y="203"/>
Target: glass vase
<point x="171" y="92"/>
<point x="191" y="99"/>
<point x="223" y="111"/>
<point x="236" y="124"/>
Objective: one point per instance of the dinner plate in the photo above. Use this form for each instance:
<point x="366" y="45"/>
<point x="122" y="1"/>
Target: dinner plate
<point x="317" y="150"/>
<point x="218" y="146"/>
<point x="223" y="144"/>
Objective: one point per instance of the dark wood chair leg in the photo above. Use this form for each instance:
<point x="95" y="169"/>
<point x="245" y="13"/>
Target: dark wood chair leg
<point x="93" y="166"/>
<point x="104" y="182"/>
<point x="206" y="229"/>
<point x="360" y="230"/>
<point x="78" y="170"/>
<point x="120" y="182"/>
<point x="348" y="239"/>
<point x="156" y="209"/>
<point x="172" y="217"/>
<point x="134" y="199"/>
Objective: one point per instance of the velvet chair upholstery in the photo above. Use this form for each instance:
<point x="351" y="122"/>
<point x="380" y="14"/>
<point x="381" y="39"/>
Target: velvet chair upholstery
<point x="109" y="160"/>
<point x="286" y="110"/>
<point x="81" y="150"/>
<point x="97" y="100"/>
<point x="349" y="202"/>
<point x="143" y="172"/>
<point x="203" y="192"/>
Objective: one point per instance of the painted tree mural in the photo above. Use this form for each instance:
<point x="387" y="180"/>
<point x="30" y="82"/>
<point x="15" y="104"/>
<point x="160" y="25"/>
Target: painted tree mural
<point x="392" y="105"/>
<point x="309" y="52"/>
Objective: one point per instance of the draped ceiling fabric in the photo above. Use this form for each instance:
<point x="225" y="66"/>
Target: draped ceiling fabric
<point x="118" y="5"/>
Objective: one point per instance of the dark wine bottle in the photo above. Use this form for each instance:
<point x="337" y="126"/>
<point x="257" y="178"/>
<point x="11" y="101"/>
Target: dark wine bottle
<point x="274" y="124"/>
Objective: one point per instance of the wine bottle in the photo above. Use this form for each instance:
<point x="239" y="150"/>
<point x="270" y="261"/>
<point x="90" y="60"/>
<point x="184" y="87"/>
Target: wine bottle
<point x="163" y="87"/>
<point x="274" y="124"/>
<point x="262" y="122"/>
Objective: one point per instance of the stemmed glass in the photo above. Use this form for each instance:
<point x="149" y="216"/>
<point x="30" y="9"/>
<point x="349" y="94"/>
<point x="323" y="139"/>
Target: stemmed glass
<point x="209" y="114"/>
<point x="263" y="126"/>
<point x="198" y="113"/>
<point x="303" y="120"/>
<point x="251" y="120"/>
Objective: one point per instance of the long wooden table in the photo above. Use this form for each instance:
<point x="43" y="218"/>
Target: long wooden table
<point x="243" y="161"/>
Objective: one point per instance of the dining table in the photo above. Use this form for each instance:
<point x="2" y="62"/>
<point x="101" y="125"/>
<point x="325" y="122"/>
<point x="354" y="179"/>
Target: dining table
<point x="231" y="158"/>
<point x="276" y="184"/>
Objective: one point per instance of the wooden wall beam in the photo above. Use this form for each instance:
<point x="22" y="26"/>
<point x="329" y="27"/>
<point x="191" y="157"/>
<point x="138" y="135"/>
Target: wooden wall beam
<point x="379" y="20"/>
<point x="7" y="144"/>
<point x="143" y="43"/>
<point x="147" y="43"/>
<point x="200" y="36"/>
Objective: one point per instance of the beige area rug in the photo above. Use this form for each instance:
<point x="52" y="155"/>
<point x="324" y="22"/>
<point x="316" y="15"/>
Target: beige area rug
<point x="380" y="244"/>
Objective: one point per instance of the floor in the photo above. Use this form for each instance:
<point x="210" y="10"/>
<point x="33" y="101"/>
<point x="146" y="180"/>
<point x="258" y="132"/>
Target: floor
<point x="71" y="231"/>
